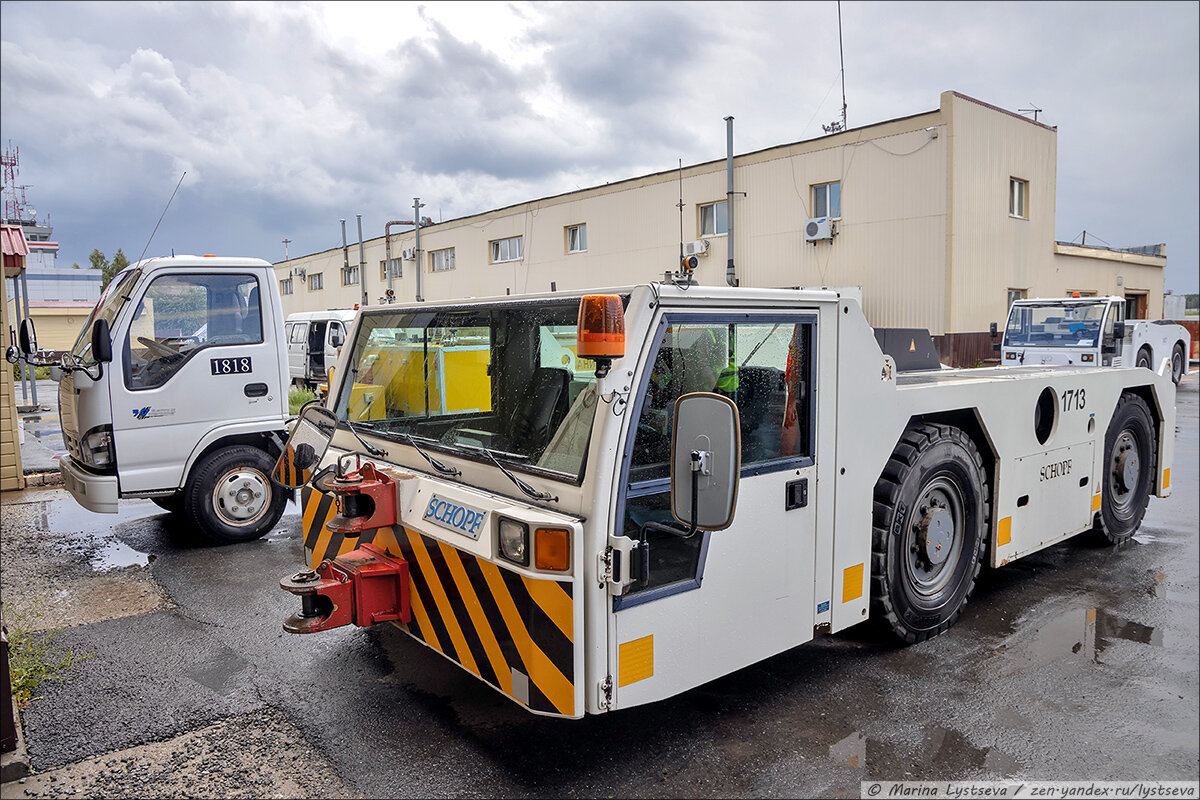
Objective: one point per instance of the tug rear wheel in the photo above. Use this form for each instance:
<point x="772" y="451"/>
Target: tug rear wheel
<point x="930" y="516"/>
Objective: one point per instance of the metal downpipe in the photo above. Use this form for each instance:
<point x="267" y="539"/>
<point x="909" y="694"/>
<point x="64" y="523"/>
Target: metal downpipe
<point x="730" y="271"/>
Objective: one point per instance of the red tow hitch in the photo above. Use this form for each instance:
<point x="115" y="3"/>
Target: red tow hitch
<point x="364" y="586"/>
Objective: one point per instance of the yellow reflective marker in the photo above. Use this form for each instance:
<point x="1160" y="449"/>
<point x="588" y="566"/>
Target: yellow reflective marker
<point x="1095" y="502"/>
<point x="1167" y="478"/>
<point x="852" y="580"/>
<point x="635" y="660"/>
<point x="1004" y="532"/>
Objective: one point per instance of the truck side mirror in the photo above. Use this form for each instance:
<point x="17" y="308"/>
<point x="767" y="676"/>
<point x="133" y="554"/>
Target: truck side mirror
<point x="27" y="338"/>
<point x="101" y="341"/>
<point x="305" y="446"/>
<point x="1118" y="330"/>
<point x="995" y="347"/>
<point x="706" y="461"/>
<point x="336" y="337"/>
<point x="992" y="330"/>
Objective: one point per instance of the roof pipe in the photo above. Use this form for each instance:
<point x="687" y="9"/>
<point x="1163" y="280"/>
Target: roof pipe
<point x="387" y="246"/>
<point x="362" y="264"/>
<point x="730" y="272"/>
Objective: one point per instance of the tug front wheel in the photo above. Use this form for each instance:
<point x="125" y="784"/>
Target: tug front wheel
<point x="929" y="521"/>
<point x="1129" y="469"/>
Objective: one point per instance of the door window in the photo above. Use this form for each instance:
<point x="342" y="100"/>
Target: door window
<point x="299" y="332"/>
<point x="182" y="314"/>
<point x="765" y="368"/>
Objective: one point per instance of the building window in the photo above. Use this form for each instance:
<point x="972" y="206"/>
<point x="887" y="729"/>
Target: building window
<point x="1018" y="198"/>
<point x="827" y="200"/>
<point x="576" y="238"/>
<point x="714" y="219"/>
<point x="397" y="269"/>
<point x="506" y="249"/>
<point x="316" y="282"/>
<point x="1014" y="295"/>
<point x="285" y="286"/>
<point x="441" y="260"/>
<point x="349" y="276"/>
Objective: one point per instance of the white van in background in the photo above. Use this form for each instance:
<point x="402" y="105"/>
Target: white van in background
<point x="314" y="342"/>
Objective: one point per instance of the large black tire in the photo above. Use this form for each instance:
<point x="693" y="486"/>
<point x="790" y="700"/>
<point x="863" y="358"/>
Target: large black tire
<point x="1143" y="359"/>
<point x="930" y="518"/>
<point x="1130" y="450"/>
<point x="230" y="497"/>
<point x="172" y="503"/>
<point x="1178" y="363"/>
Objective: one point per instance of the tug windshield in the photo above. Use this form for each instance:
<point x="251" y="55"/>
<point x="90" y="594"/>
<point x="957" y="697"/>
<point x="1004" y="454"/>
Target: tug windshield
<point x="1075" y="325"/>
<point x="502" y="377"/>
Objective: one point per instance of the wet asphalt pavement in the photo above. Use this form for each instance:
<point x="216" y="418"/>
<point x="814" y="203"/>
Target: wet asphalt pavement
<point x="1079" y="662"/>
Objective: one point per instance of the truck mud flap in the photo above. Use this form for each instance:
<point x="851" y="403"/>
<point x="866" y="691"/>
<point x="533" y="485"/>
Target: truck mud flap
<point x="510" y="630"/>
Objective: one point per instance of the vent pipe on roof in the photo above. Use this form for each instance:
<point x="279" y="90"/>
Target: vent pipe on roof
<point x="362" y="263"/>
<point x="345" y="248"/>
<point x="730" y="272"/>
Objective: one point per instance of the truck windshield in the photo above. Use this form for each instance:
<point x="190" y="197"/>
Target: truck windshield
<point x="1075" y="325"/>
<point x="114" y="298"/>
<point x="501" y="377"/>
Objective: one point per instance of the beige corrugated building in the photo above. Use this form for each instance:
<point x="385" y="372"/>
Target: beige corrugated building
<point x="942" y="218"/>
<point x="12" y="476"/>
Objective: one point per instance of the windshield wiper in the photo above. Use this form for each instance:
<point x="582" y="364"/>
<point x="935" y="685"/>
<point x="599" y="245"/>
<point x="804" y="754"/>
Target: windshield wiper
<point x="433" y="462"/>
<point x="372" y="449"/>
<point x="528" y="490"/>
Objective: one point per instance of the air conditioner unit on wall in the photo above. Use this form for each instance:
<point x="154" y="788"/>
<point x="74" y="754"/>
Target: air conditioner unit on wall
<point x="409" y="253"/>
<point x="299" y="271"/>
<point x="696" y="248"/>
<point x="818" y="229"/>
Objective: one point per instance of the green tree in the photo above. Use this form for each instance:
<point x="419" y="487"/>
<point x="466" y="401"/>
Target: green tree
<point x="119" y="262"/>
<point x="98" y="260"/>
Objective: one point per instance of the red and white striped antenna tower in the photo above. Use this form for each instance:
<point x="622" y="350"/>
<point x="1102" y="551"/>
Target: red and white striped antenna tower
<point x="14" y="195"/>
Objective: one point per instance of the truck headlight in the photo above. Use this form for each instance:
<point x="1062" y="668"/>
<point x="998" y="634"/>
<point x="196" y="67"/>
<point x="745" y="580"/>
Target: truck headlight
<point x="96" y="447"/>
<point x="514" y="541"/>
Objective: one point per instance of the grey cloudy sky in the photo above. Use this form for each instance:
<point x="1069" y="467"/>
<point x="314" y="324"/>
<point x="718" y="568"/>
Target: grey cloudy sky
<point x="289" y="117"/>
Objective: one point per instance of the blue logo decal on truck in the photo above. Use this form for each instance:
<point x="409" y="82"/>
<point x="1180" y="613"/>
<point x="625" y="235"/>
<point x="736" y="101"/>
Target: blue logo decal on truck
<point x="455" y="516"/>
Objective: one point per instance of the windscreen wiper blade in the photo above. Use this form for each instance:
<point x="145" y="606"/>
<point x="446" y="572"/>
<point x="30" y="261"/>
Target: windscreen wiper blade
<point x="433" y="462"/>
<point x="528" y="490"/>
<point x="372" y="449"/>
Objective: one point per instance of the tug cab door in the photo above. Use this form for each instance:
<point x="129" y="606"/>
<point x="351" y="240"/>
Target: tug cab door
<point x="706" y="605"/>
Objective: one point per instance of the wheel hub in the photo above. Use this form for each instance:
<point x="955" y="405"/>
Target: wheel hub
<point x="937" y="530"/>
<point x="241" y="497"/>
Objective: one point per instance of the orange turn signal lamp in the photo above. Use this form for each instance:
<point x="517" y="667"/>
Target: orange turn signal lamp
<point x="552" y="549"/>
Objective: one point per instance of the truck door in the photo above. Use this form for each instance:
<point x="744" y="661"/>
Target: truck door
<point x="198" y="353"/>
<point x="297" y="349"/>
<point x="316" y="349"/>
<point x="704" y="606"/>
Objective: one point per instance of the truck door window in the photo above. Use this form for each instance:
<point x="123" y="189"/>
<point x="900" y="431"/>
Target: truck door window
<point x="765" y="367"/>
<point x="299" y="333"/>
<point x="179" y="315"/>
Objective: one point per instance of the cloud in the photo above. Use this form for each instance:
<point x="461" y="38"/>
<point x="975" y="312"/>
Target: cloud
<point x="289" y="117"/>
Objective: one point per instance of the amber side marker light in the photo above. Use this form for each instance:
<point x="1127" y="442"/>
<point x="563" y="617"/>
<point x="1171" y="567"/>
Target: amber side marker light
<point x="601" y="330"/>
<point x="552" y="549"/>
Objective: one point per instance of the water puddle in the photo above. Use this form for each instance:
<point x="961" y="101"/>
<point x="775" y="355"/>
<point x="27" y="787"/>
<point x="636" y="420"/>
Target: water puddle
<point x="1083" y="634"/>
<point x="217" y="673"/>
<point x="941" y="749"/>
<point x="118" y="555"/>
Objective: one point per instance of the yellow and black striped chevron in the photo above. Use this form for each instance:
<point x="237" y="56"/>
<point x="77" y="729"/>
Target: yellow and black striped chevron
<point x="512" y="631"/>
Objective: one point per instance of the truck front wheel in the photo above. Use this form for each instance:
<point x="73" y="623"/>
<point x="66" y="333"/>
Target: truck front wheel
<point x="1129" y="453"/>
<point x="1143" y="358"/>
<point x="1178" y="365"/>
<point x="930" y="514"/>
<point x="230" y="497"/>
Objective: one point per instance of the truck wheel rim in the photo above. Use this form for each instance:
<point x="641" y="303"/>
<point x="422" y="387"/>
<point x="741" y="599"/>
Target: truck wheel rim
<point x="1177" y="366"/>
<point x="241" y="496"/>
<point x="933" y="539"/>
<point x="1124" y="471"/>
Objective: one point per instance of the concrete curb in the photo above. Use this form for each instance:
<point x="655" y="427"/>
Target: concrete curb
<point x="15" y="765"/>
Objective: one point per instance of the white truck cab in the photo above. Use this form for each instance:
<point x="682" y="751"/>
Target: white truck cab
<point x="593" y="503"/>
<point x="314" y="343"/>
<point x="176" y="391"/>
<point x="1090" y="331"/>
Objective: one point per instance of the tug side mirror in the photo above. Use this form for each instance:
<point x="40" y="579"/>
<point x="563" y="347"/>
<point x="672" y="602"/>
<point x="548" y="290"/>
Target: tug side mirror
<point x="305" y="447"/>
<point x="706" y="460"/>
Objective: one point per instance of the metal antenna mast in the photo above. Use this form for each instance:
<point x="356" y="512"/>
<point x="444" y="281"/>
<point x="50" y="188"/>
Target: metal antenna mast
<point x="842" y="59"/>
<point x="286" y="242"/>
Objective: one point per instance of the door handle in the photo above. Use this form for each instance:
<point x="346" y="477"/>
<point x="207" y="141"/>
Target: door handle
<point x="255" y="389"/>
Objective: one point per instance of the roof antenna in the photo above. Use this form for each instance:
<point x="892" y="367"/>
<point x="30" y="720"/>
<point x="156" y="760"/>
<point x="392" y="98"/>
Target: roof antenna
<point x="160" y="219"/>
<point x="835" y="126"/>
<point x="1034" y="110"/>
<point x="679" y="205"/>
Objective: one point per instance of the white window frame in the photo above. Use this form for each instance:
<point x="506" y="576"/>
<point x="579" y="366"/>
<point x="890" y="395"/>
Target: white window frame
<point x="501" y="250"/>
<point x="1016" y="294"/>
<point x="285" y="286"/>
<point x="350" y="276"/>
<point x="441" y="260"/>
<point x="1018" y="198"/>
<point x="316" y="282"/>
<point x="715" y="217"/>
<point x="821" y="194"/>
<point x="576" y="238"/>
